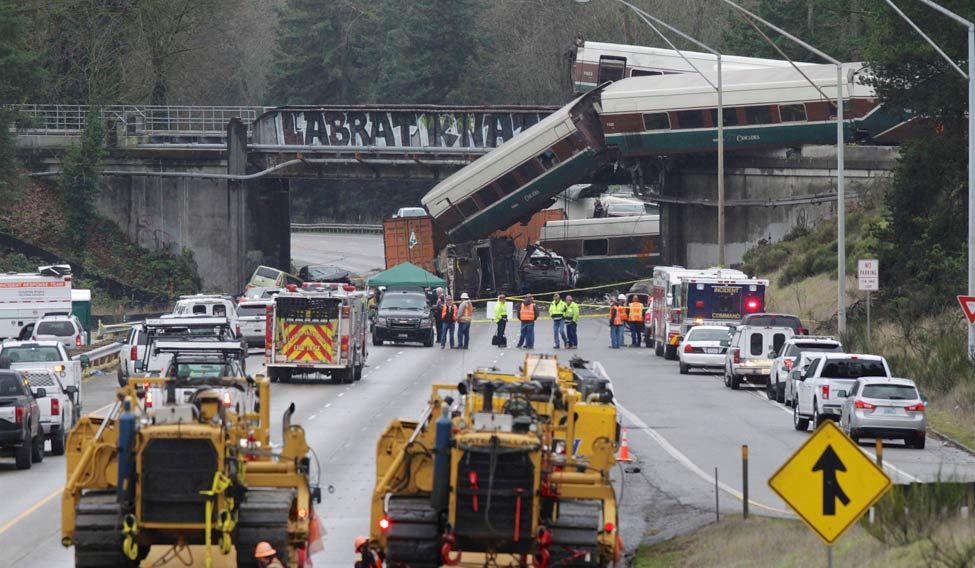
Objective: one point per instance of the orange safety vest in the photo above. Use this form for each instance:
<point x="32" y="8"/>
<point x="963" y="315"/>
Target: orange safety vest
<point x="468" y="311"/>
<point x="527" y="312"/>
<point x="453" y="310"/>
<point x="616" y="315"/>
<point x="636" y="311"/>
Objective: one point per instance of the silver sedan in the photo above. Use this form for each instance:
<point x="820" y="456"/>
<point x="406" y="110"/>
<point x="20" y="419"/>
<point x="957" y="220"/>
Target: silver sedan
<point x="880" y="407"/>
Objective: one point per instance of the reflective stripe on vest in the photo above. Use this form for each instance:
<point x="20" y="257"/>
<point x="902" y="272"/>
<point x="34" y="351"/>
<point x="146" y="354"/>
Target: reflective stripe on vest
<point x="527" y="312"/>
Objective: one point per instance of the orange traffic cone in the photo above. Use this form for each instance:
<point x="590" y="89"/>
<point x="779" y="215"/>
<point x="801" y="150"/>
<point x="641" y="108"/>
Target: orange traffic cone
<point x="624" y="448"/>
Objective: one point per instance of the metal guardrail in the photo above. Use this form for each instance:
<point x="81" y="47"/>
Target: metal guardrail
<point x="145" y="120"/>
<point x="335" y="228"/>
<point x="103" y="354"/>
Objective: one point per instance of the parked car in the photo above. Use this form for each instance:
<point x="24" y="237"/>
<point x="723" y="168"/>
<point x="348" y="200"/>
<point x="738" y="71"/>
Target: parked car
<point x="749" y="357"/>
<point x="268" y="277"/>
<point x="64" y="328"/>
<point x="57" y="406"/>
<point x="703" y="347"/>
<point x="20" y="420"/>
<point x="885" y="408"/>
<point x="776" y="320"/>
<point x="781" y="388"/>
<point x="403" y="316"/>
<point x="410" y="212"/>
<point x="825" y="381"/>
<point x="253" y="320"/>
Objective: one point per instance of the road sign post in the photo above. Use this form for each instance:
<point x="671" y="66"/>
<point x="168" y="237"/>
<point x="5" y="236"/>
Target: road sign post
<point x="868" y="280"/>
<point x="829" y="482"/>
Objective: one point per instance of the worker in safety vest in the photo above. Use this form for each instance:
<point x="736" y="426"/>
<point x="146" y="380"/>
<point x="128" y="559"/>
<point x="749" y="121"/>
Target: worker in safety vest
<point x="557" y="310"/>
<point x="501" y="320"/>
<point x="635" y="317"/>
<point x="527" y="313"/>
<point x="448" y="316"/>
<point x="571" y="323"/>
<point x="365" y="556"/>
<point x="266" y="556"/>
<point x="465" y="313"/>
<point x="617" y="317"/>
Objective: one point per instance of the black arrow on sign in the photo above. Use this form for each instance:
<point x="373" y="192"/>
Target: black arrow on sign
<point x="829" y="463"/>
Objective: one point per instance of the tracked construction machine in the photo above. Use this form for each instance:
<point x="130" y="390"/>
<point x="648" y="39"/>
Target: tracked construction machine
<point x="191" y="470"/>
<point x="502" y="469"/>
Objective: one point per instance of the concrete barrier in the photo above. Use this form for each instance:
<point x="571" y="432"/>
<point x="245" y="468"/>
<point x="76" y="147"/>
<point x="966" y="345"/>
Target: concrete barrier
<point x="335" y="228"/>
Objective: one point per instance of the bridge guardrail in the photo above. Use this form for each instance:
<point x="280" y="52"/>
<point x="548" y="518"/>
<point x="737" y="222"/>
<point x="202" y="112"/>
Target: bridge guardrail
<point x="335" y="228"/>
<point x="149" y="120"/>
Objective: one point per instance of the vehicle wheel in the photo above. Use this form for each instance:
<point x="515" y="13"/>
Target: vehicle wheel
<point x="658" y="349"/>
<point x="919" y="441"/>
<point x="647" y="341"/>
<point x="735" y="382"/>
<point x="798" y="422"/>
<point x="727" y="379"/>
<point x="855" y="436"/>
<point x="779" y="392"/>
<point x="376" y="341"/>
<point x="263" y="516"/>
<point x="284" y="375"/>
<point x="57" y="442"/>
<point x="429" y="341"/>
<point x="348" y="376"/>
<point x="37" y="449"/>
<point x="414" y="536"/>
<point x="357" y="373"/>
<point x="23" y="456"/>
<point x="684" y="369"/>
<point x="769" y="390"/>
<point x="817" y="420"/>
<point x="120" y="376"/>
<point x="98" y="532"/>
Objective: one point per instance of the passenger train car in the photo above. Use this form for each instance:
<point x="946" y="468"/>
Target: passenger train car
<point x="597" y="63"/>
<point x="522" y="175"/>
<point x="606" y="250"/>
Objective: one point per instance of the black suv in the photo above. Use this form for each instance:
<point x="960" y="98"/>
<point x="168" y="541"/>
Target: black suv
<point x="20" y="420"/>
<point x="403" y="316"/>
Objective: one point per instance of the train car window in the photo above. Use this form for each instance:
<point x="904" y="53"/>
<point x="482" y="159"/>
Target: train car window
<point x="690" y="119"/>
<point x="730" y="116"/>
<point x="578" y="141"/>
<point x="529" y="170"/>
<point x="487" y="195"/>
<point x="562" y="149"/>
<point x="450" y="218"/>
<point x="629" y="245"/>
<point x="468" y="207"/>
<point x="792" y="113"/>
<point x="758" y="115"/>
<point x="507" y="184"/>
<point x="644" y="73"/>
<point x="548" y="159"/>
<point x="656" y="121"/>
<point x="611" y="68"/>
<point x="595" y="247"/>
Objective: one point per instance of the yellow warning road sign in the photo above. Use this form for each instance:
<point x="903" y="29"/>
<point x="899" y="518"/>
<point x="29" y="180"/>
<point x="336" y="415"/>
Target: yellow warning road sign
<point x="829" y="482"/>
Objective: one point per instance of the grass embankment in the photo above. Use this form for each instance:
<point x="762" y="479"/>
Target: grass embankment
<point x="36" y="217"/>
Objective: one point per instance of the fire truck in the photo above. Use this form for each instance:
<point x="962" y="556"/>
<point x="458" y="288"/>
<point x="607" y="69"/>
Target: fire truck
<point x="683" y="298"/>
<point x="315" y="332"/>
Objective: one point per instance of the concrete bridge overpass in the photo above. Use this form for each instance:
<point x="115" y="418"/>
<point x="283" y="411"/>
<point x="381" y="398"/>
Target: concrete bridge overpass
<point x="216" y="180"/>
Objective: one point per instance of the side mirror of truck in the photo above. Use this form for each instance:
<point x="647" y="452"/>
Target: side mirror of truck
<point x="797" y="376"/>
<point x="85" y="361"/>
<point x="840" y="394"/>
<point x="40" y="392"/>
<point x="138" y="365"/>
<point x="71" y="390"/>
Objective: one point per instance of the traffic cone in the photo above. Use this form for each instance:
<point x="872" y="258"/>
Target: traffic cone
<point x="624" y="449"/>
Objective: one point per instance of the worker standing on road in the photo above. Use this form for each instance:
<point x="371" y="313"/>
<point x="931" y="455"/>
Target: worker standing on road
<point x="266" y="556"/>
<point x="437" y="309"/>
<point x="501" y="319"/>
<point x="571" y="323"/>
<point x="465" y="313"/>
<point x="527" y="313"/>
<point x="635" y="317"/>
<point x="616" y="319"/>
<point x="557" y="310"/>
<point x="448" y="316"/>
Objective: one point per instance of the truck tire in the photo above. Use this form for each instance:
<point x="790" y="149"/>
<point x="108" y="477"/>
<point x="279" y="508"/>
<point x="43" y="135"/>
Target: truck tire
<point x="376" y="341"/>
<point x="575" y="535"/>
<point x="670" y="352"/>
<point x="57" y="442"/>
<point x="798" y="421"/>
<point x="357" y="373"/>
<point x="23" y="456"/>
<point x="429" y="342"/>
<point x="683" y="368"/>
<point x="658" y="348"/>
<point x="37" y="449"/>
<point x="735" y="382"/>
<point x="98" y="532"/>
<point x="263" y="516"/>
<point x="414" y="534"/>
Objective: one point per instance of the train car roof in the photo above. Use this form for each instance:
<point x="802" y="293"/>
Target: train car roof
<point x="669" y="61"/>
<point x="755" y="87"/>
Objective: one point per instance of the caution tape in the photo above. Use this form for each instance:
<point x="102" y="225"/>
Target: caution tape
<point x="566" y="291"/>
<point x="545" y="318"/>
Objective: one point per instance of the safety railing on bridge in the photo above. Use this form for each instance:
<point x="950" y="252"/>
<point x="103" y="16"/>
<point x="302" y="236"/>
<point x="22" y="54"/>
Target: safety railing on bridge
<point x="139" y="120"/>
<point x="335" y="228"/>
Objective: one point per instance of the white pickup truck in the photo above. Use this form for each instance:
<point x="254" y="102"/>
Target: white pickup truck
<point x="58" y="412"/>
<point x="49" y="355"/>
<point x="823" y="381"/>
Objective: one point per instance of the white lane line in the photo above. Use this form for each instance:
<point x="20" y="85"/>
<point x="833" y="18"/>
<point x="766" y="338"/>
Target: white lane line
<point x="887" y="465"/>
<point x="327" y="405"/>
<point x="313" y="416"/>
<point x="400" y="352"/>
<point x="341" y="393"/>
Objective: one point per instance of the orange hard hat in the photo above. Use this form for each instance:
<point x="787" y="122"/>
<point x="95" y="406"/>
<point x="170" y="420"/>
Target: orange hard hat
<point x="359" y="541"/>
<point x="263" y="550"/>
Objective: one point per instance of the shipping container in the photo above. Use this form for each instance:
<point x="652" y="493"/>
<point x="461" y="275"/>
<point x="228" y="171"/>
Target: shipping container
<point x="529" y="233"/>
<point x="411" y="239"/>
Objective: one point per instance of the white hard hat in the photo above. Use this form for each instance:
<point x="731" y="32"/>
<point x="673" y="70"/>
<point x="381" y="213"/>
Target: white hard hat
<point x="464" y="296"/>
<point x="621" y="297"/>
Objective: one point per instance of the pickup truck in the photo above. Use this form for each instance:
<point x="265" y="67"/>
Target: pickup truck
<point x="20" y="420"/>
<point x="50" y="355"/>
<point x="57" y="403"/>
<point x="823" y="380"/>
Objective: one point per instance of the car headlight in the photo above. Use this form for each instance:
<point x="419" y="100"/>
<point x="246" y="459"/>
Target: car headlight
<point x="426" y="322"/>
<point x="382" y="322"/>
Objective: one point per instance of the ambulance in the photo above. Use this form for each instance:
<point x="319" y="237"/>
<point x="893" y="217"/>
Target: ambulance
<point x="27" y="297"/>
<point x="317" y="332"/>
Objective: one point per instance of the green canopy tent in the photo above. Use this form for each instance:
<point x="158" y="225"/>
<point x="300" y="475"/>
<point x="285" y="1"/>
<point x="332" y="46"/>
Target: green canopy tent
<point x="406" y="274"/>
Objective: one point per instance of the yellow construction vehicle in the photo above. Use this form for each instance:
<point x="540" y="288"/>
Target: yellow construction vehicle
<point x="502" y="469"/>
<point x="187" y="472"/>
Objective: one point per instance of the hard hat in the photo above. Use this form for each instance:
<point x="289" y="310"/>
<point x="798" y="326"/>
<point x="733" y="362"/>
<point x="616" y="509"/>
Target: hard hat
<point x="621" y="297"/>
<point x="359" y="541"/>
<point x="264" y="550"/>
<point x="464" y="296"/>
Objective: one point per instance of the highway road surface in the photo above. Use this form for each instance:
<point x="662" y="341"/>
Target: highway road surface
<point x="681" y="427"/>
<point x="361" y="254"/>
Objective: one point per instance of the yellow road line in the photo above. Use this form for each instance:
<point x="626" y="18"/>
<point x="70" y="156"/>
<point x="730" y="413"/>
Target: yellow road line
<point x="30" y="510"/>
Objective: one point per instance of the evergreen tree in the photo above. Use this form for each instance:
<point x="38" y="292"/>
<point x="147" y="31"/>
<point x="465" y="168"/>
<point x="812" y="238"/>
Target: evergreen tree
<point x="19" y="75"/>
<point x="81" y="180"/>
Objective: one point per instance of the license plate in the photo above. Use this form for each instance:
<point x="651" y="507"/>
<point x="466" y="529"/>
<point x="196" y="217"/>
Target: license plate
<point x="890" y="411"/>
<point x="712" y="350"/>
<point x="403" y="335"/>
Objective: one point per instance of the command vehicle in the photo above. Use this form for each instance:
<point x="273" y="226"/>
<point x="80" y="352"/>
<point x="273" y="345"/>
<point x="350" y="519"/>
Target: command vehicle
<point x="317" y="332"/>
<point x="713" y="296"/>
<point x="27" y="297"/>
